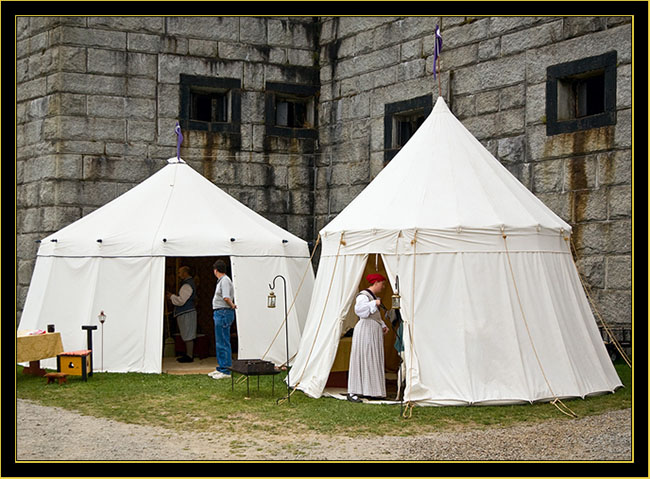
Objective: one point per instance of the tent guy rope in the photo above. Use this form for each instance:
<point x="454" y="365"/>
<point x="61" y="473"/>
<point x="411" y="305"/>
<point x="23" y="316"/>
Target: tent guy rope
<point x="295" y="296"/>
<point x="409" y="403"/>
<point x="585" y="286"/>
<point x="556" y="401"/>
<point x="320" y="322"/>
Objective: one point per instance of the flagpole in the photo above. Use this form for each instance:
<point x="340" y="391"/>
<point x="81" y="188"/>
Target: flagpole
<point x="437" y="49"/>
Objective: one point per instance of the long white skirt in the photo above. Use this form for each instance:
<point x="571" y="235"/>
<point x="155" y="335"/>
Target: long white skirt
<point x="366" y="375"/>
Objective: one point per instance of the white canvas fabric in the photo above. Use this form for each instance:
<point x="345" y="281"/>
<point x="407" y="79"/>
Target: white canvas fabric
<point x="333" y="293"/>
<point x="266" y="329"/>
<point x="175" y="212"/>
<point x="493" y="307"/>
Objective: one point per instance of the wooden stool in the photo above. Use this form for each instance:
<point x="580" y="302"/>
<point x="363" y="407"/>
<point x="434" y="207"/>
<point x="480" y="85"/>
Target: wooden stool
<point x="51" y="377"/>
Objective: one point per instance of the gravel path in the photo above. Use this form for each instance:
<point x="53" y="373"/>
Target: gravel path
<point x="67" y="435"/>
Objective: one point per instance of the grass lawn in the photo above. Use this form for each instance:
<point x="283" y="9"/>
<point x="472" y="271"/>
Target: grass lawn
<point x="199" y="403"/>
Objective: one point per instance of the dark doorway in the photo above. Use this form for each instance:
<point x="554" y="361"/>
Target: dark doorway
<point x="201" y="270"/>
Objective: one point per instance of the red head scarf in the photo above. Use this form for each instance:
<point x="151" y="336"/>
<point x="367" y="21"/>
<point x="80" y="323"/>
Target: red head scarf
<point x="375" y="278"/>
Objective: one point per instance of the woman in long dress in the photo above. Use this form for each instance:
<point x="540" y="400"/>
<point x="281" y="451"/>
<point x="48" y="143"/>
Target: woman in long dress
<point x="366" y="373"/>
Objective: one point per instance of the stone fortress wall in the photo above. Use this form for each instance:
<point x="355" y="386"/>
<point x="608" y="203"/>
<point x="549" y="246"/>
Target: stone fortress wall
<point x="98" y="99"/>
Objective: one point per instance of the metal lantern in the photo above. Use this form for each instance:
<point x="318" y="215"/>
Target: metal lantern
<point x="270" y="301"/>
<point x="395" y="299"/>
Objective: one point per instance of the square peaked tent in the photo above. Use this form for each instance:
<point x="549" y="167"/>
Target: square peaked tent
<point x="493" y="308"/>
<point x="113" y="260"/>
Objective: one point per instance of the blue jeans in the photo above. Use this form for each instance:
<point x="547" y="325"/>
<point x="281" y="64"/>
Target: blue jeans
<point x="223" y="319"/>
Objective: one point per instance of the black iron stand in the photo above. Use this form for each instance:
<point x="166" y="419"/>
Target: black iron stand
<point x="89" y="330"/>
<point x="286" y="332"/>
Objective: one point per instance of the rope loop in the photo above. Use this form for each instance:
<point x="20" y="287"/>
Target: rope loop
<point x="283" y="399"/>
<point x="408" y="410"/>
<point x="570" y="413"/>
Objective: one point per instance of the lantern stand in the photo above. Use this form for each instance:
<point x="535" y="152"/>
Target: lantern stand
<point x="102" y="318"/>
<point x="271" y="302"/>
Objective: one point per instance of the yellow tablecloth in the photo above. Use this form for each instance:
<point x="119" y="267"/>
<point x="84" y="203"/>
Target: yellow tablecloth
<point x="38" y="346"/>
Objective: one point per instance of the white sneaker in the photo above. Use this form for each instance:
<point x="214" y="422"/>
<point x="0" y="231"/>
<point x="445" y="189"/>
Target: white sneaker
<point x="219" y="375"/>
<point x="213" y="373"/>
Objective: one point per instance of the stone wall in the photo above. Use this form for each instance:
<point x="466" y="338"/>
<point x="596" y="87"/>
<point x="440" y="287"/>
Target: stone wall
<point x="98" y="98"/>
<point x="493" y="77"/>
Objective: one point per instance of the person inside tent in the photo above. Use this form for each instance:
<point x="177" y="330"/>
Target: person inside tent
<point x="185" y="312"/>
<point x="366" y="372"/>
<point x="224" y="314"/>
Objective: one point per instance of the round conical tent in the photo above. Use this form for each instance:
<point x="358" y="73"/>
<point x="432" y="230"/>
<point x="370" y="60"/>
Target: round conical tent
<point x="113" y="259"/>
<point x="492" y="304"/>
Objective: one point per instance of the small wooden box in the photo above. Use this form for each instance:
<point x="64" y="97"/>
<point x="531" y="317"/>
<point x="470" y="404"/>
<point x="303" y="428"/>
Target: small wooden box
<point x="74" y="363"/>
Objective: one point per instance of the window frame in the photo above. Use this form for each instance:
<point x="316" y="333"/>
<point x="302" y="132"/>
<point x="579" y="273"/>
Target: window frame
<point x="231" y="87"/>
<point x="569" y="73"/>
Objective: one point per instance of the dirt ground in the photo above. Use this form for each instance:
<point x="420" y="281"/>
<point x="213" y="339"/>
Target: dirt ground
<point x="54" y="434"/>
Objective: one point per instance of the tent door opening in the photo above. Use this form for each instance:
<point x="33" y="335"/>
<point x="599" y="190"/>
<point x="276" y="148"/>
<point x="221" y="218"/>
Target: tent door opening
<point x="338" y="377"/>
<point x="205" y="280"/>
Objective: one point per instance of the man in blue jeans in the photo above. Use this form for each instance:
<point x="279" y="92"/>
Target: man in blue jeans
<point x="223" y="307"/>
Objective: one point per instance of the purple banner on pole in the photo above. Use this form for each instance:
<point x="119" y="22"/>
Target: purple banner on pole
<point x="437" y="48"/>
<point x="179" y="141"/>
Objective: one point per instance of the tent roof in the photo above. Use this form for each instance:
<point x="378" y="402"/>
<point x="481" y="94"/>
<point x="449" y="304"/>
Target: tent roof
<point x="175" y="212"/>
<point x="444" y="179"/>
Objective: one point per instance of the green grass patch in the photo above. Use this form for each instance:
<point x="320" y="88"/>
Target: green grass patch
<point x="198" y="403"/>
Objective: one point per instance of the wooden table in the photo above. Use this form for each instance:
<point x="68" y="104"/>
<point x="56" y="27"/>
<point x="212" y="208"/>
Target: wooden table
<point x="33" y="348"/>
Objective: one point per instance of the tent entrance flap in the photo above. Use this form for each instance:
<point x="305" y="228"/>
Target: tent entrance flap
<point x="200" y="268"/>
<point x="338" y="373"/>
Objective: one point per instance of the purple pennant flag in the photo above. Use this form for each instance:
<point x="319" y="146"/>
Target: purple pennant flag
<point x="179" y="141"/>
<point x="437" y="48"/>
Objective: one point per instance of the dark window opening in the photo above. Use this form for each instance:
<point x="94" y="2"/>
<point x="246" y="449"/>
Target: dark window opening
<point x="291" y="110"/>
<point x="581" y="94"/>
<point x="291" y="113"/>
<point x="209" y="107"/>
<point x="406" y="126"/>
<point x="401" y="120"/>
<point x="210" y="104"/>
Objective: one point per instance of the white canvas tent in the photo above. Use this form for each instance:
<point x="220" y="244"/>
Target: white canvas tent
<point x="174" y="213"/>
<point x="493" y="308"/>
